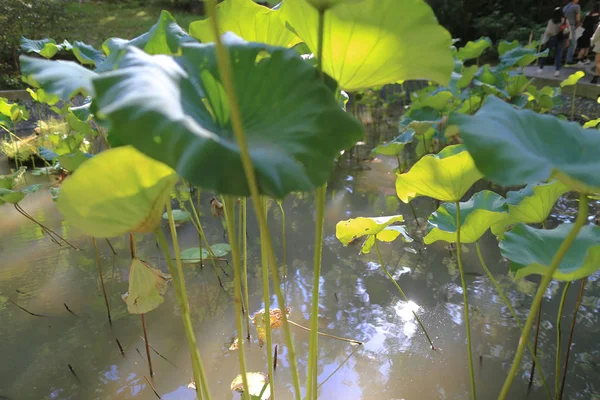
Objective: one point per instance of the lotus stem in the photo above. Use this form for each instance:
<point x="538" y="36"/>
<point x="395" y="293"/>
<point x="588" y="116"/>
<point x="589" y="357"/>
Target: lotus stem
<point x="351" y="341"/>
<point x="313" y="347"/>
<point x="465" y="301"/>
<point x="577" y="304"/>
<point x="229" y="206"/>
<point x="562" y="250"/>
<point x="147" y="346"/>
<point x="111" y="247"/>
<point x="401" y="292"/>
<point x="559" y="338"/>
<point x="338" y="367"/>
<point x="224" y="64"/>
<point x="49" y="231"/>
<point x="271" y="360"/>
<point x="245" y="264"/>
<point x="573" y="102"/>
<point x="535" y="345"/>
<point x="283" y="244"/>
<point x="181" y="294"/>
<point x="514" y="315"/>
<point x="414" y="213"/>
<point x="102" y="280"/>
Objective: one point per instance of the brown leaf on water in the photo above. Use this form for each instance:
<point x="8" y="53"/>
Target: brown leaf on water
<point x="216" y="207"/>
<point x="276" y="319"/>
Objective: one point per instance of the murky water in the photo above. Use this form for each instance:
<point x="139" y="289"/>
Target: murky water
<point x="356" y="301"/>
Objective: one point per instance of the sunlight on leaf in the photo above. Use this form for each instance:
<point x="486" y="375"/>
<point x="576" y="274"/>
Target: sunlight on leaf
<point x="256" y="383"/>
<point x="572" y="79"/>
<point x="474" y="49"/>
<point x="531" y="251"/>
<point x="147" y="287"/>
<point x="445" y="176"/>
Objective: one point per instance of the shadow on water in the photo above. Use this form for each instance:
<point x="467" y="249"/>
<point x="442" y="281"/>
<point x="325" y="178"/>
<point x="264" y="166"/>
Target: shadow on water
<point x="357" y="301"/>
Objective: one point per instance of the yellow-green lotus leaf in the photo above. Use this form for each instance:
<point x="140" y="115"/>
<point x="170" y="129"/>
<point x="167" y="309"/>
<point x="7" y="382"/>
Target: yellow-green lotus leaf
<point x="147" y="286"/>
<point x="117" y="191"/>
<point x="445" y="176"/>
<point x="388" y="235"/>
<point x="352" y="229"/>
<point x="256" y="383"/>
<point x="248" y="20"/>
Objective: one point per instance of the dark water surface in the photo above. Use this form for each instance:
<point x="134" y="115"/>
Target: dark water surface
<point x="356" y="301"/>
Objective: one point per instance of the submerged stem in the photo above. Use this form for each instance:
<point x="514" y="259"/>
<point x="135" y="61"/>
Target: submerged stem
<point x="401" y="292"/>
<point x="352" y="341"/>
<point x="465" y="301"/>
<point x="562" y="250"/>
<point x="102" y="280"/>
<point x="514" y="315"/>
<point x="229" y="207"/>
<point x="267" y="303"/>
<point x="224" y="64"/>
<point x="570" y="341"/>
<point x="313" y="347"/>
<point x="535" y="345"/>
<point x="243" y="222"/>
<point x="559" y="338"/>
<point x="147" y="346"/>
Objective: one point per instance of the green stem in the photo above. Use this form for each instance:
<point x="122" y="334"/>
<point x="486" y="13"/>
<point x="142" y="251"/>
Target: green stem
<point x="267" y="302"/>
<point x="559" y="339"/>
<point x="465" y="301"/>
<point x="570" y="341"/>
<point x="562" y="250"/>
<point x="513" y="313"/>
<point x="351" y="341"/>
<point x="313" y="347"/>
<point x="176" y="272"/>
<point x="283" y="243"/>
<point x="245" y="265"/>
<point x="224" y="63"/>
<point x="573" y="102"/>
<point x="401" y="292"/>
<point x="102" y="280"/>
<point x="229" y="207"/>
<point x="535" y="346"/>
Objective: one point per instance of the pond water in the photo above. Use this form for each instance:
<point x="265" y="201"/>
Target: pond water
<point x="356" y="301"/>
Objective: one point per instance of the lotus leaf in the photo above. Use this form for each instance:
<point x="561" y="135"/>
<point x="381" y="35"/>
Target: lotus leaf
<point x="366" y="46"/>
<point x="248" y="20"/>
<point x="445" y="176"/>
<point x="396" y="146"/>
<point x="46" y="48"/>
<point x="531" y="250"/>
<point x="572" y="79"/>
<point x="176" y="111"/>
<point x="519" y="57"/>
<point x="147" y="286"/>
<point x="256" y="383"/>
<point x="474" y="49"/>
<point x="179" y="216"/>
<point x="117" y="191"/>
<point x="477" y="215"/>
<point x="514" y="147"/>
<point x="505" y="46"/>
<point x="87" y="54"/>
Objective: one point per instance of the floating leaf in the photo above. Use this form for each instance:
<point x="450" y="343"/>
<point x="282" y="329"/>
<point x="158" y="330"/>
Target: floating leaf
<point x="474" y="49"/>
<point x="220" y="249"/>
<point x="158" y="105"/>
<point x="365" y="46"/>
<point x="477" y="215"/>
<point x="572" y="79"/>
<point x="119" y="190"/>
<point x="256" y="383"/>
<point x="445" y="176"/>
<point x="248" y="20"/>
<point x="275" y="318"/>
<point x="514" y="147"/>
<point x="193" y="255"/>
<point x="531" y="251"/>
<point x="179" y="216"/>
<point x="147" y="286"/>
<point x="64" y="79"/>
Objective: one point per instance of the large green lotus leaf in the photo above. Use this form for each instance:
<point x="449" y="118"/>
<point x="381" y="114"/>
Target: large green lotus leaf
<point x="70" y="162"/>
<point x="519" y="57"/>
<point x="505" y="46"/>
<point x="46" y="48"/>
<point x="387" y="234"/>
<point x="376" y="42"/>
<point x="87" y="54"/>
<point x="15" y="196"/>
<point x="531" y="205"/>
<point x="352" y="229"/>
<point x="65" y="79"/>
<point x="117" y="191"/>
<point x="42" y="97"/>
<point x="438" y="101"/>
<point x="10" y="181"/>
<point x="176" y="111"/>
<point x="147" y="286"/>
<point x="165" y="37"/>
<point x="514" y="147"/>
<point x="477" y="215"/>
<point x="572" y="79"/>
<point x="193" y="255"/>
<point x="248" y="20"/>
<point x="474" y="49"/>
<point x="445" y="176"/>
<point x="396" y="146"/>
<point x="531" y="250"/>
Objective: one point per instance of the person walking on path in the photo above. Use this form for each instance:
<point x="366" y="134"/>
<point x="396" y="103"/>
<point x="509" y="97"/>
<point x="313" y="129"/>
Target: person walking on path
<point x="595" y="42"/>
<point x="556" y="36"/>
<point x="572" y="12"/>
<point x="590" y="22"/>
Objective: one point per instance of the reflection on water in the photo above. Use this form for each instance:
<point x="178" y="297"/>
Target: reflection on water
<point x="357" y="301"/>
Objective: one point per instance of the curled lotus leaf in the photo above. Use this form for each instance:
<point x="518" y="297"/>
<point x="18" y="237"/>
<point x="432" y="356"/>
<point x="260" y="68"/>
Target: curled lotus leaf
<point x="531" y="251"/>
<point x="147" y="286"/>
<point x="352" y="229"/>
<point x="117" y="191"/>
<point x="275" y="319"/>
<point x="445" y="176"/>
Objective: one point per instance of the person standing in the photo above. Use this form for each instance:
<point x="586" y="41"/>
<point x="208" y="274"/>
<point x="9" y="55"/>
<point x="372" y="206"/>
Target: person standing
<point x="590" y="22"/>
<point x="595" y="42"/>
<point x="572" y="12"/>
<point x="556" y="36"/>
